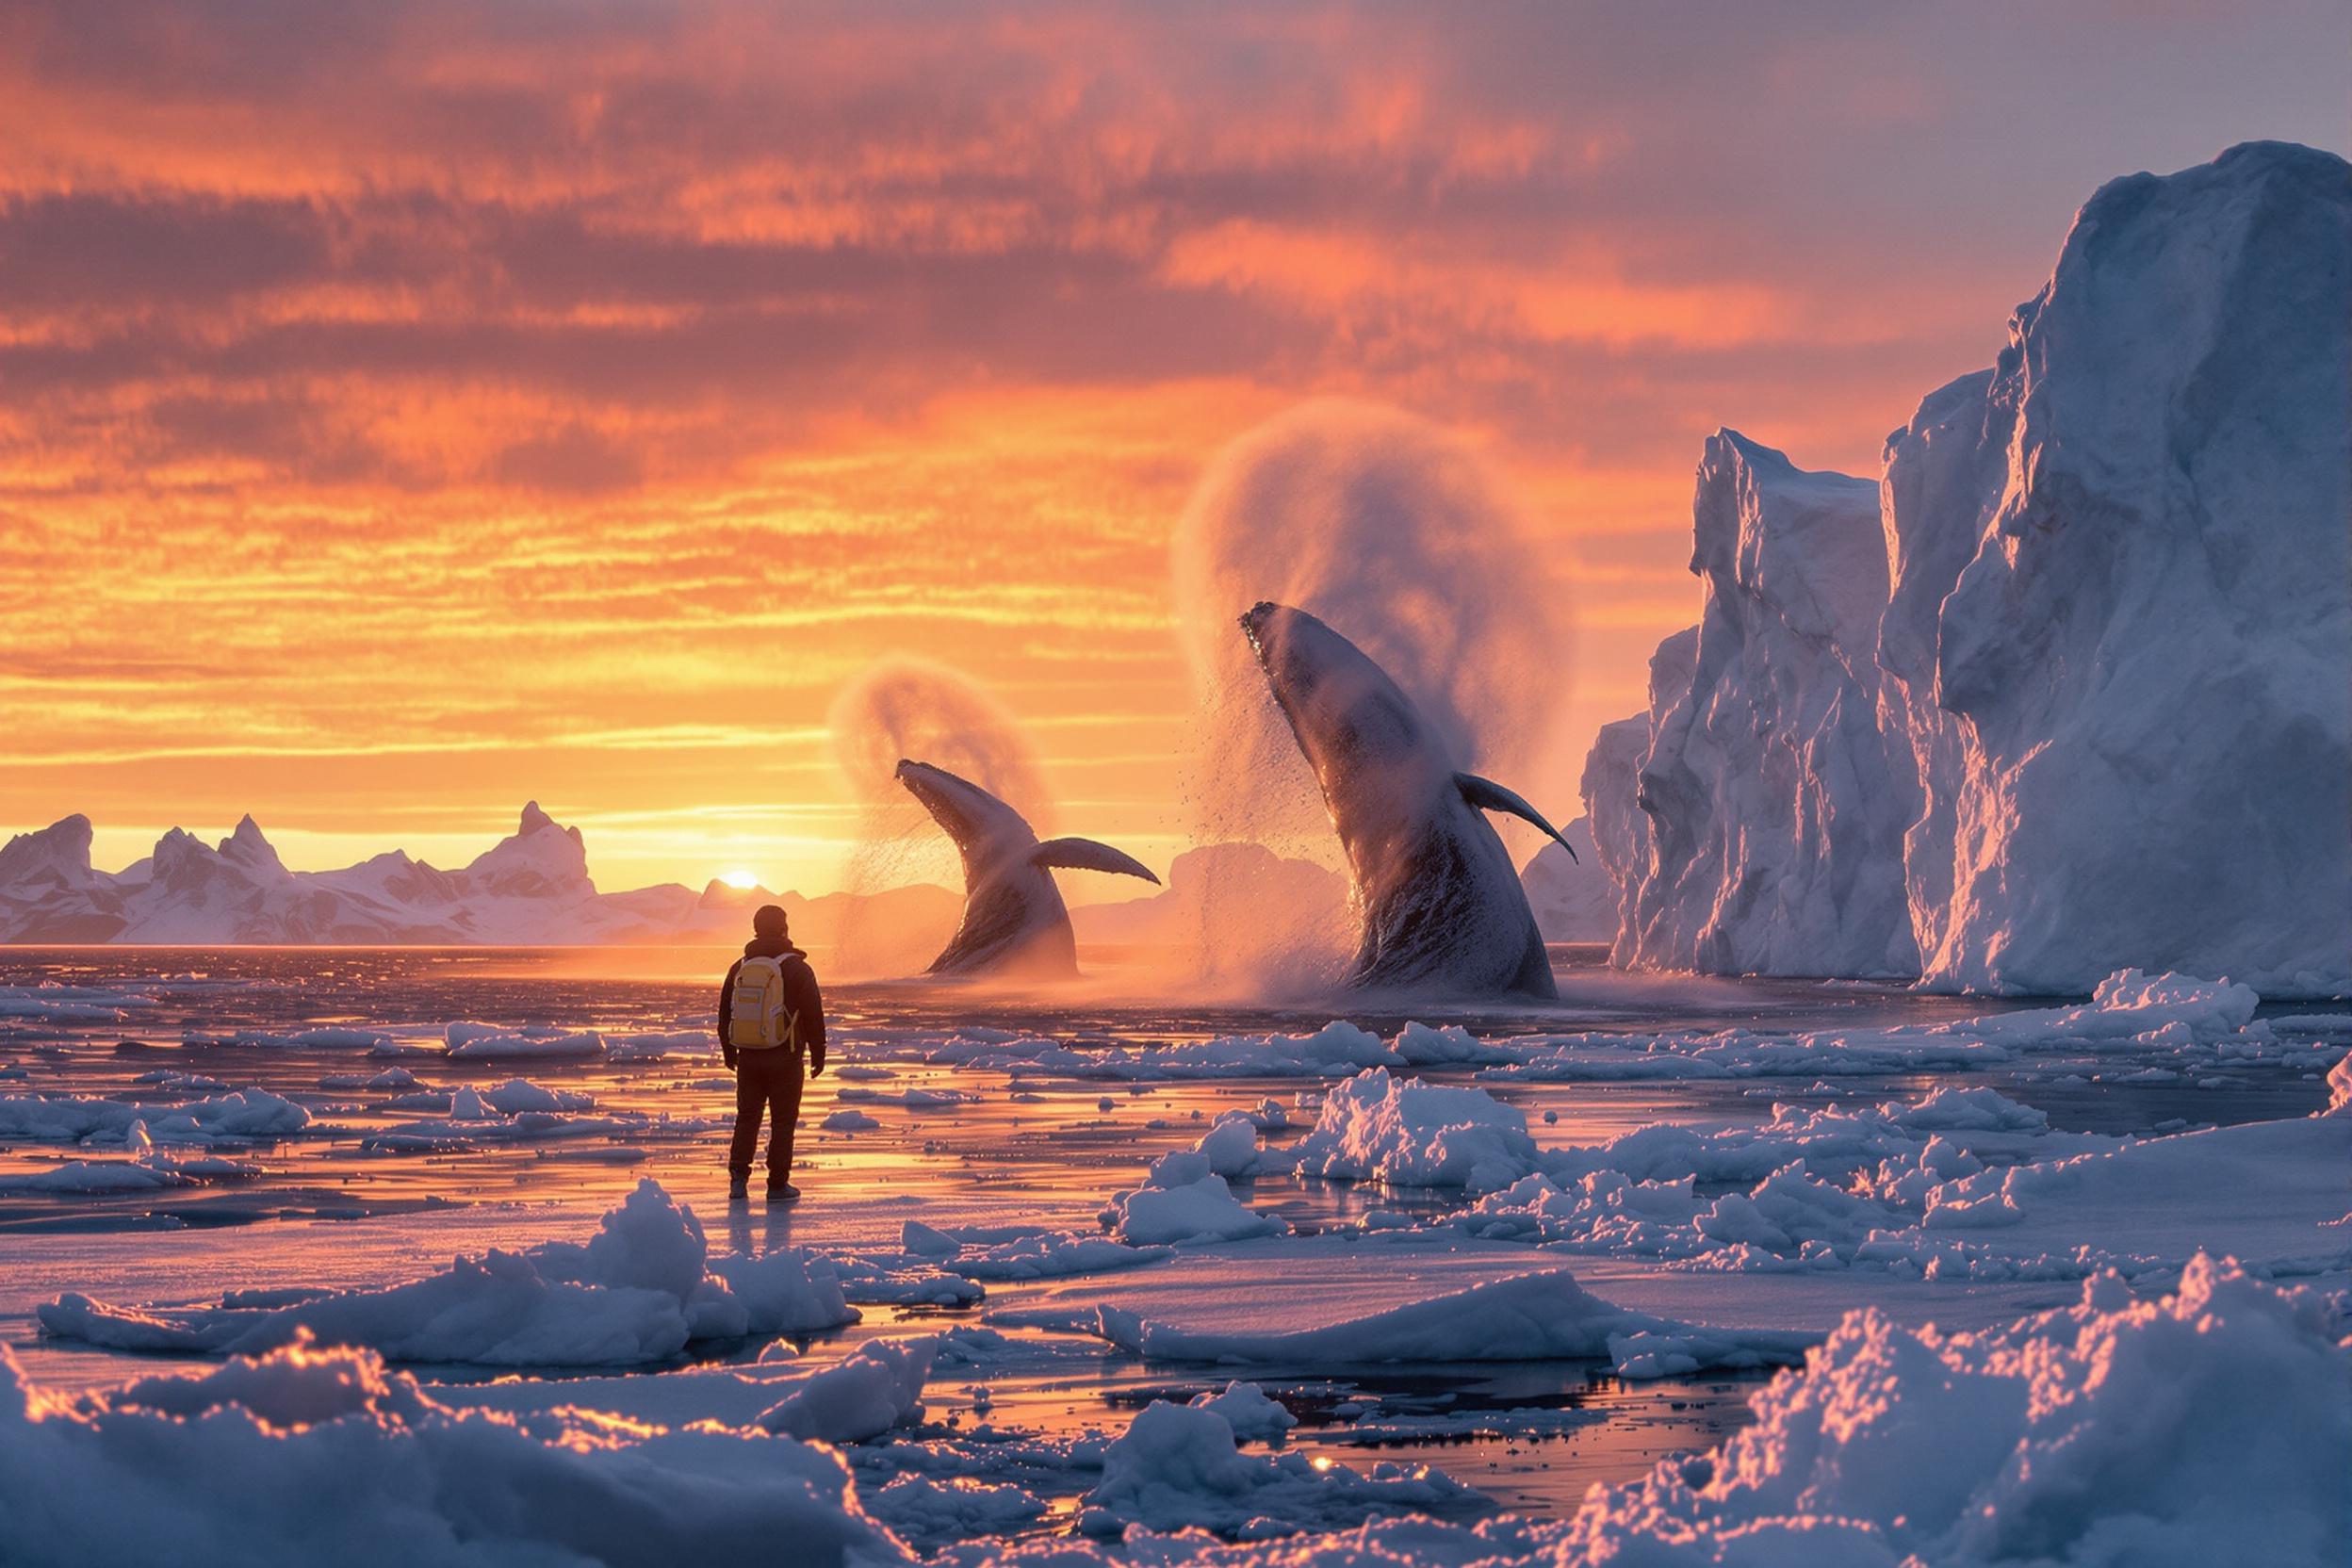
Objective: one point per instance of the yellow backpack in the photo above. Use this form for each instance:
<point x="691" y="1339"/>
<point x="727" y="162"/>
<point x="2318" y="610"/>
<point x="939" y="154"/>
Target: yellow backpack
<point x="757" y="1018"/>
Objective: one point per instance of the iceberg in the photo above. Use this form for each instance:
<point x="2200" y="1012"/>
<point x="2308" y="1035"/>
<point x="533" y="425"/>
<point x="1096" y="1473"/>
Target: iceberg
<point x="2073" y="692"/>
<point x="1777" y="820"/>
<point x="2150" y="644"/>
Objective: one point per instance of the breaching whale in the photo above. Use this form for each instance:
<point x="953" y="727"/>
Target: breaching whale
<point x="1014" y="923"/>
<point x="1438" y="901"/>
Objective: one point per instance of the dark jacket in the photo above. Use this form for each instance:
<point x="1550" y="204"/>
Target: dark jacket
<point x="801" y="997"/>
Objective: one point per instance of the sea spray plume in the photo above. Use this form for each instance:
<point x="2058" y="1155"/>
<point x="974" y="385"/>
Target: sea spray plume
<point x="1438" y="904"/>
<point x="906" y="707"/>
<point x="1014" y="923"/>
<point x="1379" y="521"/>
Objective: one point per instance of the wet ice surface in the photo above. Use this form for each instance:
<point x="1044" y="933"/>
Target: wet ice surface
<point x="990" y="1116"/>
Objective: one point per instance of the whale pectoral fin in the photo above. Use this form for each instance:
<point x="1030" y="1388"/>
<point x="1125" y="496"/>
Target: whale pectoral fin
<point x="1086" y="854"/>
<point x="1487" y="795"/>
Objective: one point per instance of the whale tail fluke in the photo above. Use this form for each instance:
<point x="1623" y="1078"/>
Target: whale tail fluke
<point x="1484" y="794"/>
<point x="1086" y="854"/>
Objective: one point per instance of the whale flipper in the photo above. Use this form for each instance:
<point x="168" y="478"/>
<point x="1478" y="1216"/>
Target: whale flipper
<point x="1086" y="854"/>
<point x="1487" y="795"/>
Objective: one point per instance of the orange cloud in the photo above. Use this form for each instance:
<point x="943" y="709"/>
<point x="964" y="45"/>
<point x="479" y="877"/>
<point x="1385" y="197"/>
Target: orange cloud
<point x="412" y="408"/>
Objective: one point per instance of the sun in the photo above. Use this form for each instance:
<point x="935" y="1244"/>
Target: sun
<point x="739" y="880"/>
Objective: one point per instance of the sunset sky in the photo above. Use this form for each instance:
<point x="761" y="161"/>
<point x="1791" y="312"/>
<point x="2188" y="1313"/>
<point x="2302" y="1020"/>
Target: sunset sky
<point x="410" y="409"/>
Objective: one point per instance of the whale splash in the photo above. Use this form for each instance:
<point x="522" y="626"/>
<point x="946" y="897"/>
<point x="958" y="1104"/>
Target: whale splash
<point x="1439" y="904"/>
<point x="1015" y="923"/>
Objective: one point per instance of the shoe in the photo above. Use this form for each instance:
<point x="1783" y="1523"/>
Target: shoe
<point x="783" y="1192"/>
<point x="739" y="1189"/>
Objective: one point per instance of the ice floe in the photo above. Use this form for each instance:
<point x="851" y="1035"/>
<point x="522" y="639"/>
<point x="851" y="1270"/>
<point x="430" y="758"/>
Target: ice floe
<point x="1543" y="1315"/>
<point x="640" y="1290"/>
<point x="1410" y="1134"/>
<point x="1178" y="1466"/>
<point x="246" y="1115"/>
<point x="1181" y="1201"/>
<point x="313" y="1453"/>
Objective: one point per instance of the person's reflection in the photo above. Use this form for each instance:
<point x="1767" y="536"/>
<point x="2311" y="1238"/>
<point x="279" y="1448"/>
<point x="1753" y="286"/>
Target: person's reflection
<point x="754" y="1234"/>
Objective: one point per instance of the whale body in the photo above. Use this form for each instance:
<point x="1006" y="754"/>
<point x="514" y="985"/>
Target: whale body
<point x="1015" y="923"/>
<point x="1438" y="904"/>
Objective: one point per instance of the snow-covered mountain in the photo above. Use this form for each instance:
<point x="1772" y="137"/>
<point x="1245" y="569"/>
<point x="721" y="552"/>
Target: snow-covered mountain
<point x="2081" y="699"/>
<point x="532" y="887"/>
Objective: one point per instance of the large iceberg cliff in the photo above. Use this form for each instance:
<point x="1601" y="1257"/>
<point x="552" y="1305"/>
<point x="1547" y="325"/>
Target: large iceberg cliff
<point x="1777" y="824"/>
<point x="2093" y="707"/>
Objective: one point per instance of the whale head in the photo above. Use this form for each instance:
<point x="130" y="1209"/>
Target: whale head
<point x="1379" y="762"/>
<point x="984" y="830"/>
<point x="1438" y="901"/>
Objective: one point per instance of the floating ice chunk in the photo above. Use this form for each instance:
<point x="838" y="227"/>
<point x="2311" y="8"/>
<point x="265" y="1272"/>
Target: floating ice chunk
<point x="1602" y="1209"/>
<point x="789" y="1291"/>
<point x="186" y="1083"/>
<point x="517" y="1095"/>
<point x="487" y="1128"/>
<point x="859" y="1397"/>
<point x="908" y="1099"/>
<point x="638" y="1291"/>
<point x="848" y="1120"/>
<point x="658" y="1045"/>
<point x="1420" y="1045"/>
<point x="1231" y="1145"/>
<point x="1019" y="1253"/>
<point x="958" y="1509"/>
<point x="94" y="1177"/>
<point x="1254" y="1417"/>
<point x="390" y="1078"/>
<point x="338" y="1037"/>
<point x="1177" y="1467"/>
<point x="1184" y="1201"/>
<point x="1678" y="1352"/>
<point x="1537" y="1316"/>
<point x="878" y="1282"/>
<point x="1410" y="1134"/>
<point x="501" y="1047"/>
<point x="247" y="1115"/>
<point x="317" y="1453"/>
<point x="1336" y="1050"/>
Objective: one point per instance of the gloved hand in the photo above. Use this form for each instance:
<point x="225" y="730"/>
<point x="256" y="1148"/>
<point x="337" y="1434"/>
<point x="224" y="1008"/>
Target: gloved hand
<point x="728" y="1052"/>
<point x="816" y="1064"/>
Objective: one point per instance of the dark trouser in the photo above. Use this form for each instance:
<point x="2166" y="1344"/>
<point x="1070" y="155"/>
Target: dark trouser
<point x="769" y="1079"/>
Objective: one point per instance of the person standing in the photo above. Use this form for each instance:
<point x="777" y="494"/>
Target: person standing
<point x="771" y="1018"/>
